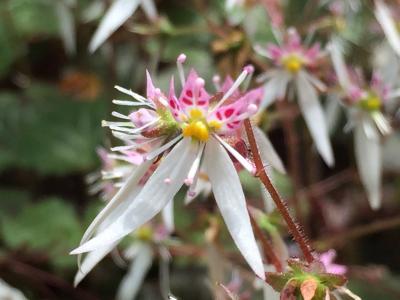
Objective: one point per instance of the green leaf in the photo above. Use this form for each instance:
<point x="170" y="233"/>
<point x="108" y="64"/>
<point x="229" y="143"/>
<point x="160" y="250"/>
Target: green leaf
<point x="12" y="201"/>
<point x="31" y="17"/>
<point x="278" y="280"/>
<point x="56" y="135"/>
<point x="50" y="225"/>
<point x="11" y="46"/>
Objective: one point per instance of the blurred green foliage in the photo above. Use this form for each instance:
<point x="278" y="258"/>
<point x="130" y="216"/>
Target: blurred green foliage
<point x="51" y="226"/>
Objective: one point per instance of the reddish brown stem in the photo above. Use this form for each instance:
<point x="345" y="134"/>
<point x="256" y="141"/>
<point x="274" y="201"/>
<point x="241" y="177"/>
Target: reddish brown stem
<point x="294" y="228"/>
<point x="269" y="252"/>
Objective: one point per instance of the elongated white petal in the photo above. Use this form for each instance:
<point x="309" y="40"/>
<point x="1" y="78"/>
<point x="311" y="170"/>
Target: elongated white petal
<point x="283" y="81"/>
<point x="67" y="26"/>
<point x="168" y="216"/>
<point x="131" y="93"/>
<point x="332" y="111"/>
<point x="267" y="151"/>
<point x="152" y="198"/>
<point x="130" y="187"/>
<point x="274" y="89"/>
<point x="231" y="202"/>
<point x="262" y="51"/>
<point x="314" y="116"/>
<point x="149" y="9"/>
<point x="91" y="260"/>
<point x="94" y="257"/>
<point x="315" y="82"/>
<point x="244" y="162"/>
<point x="132" y="281"/>
<point x="117" y="14"/>
<point x="125" y="194"/>
<point x="384" y="17"/>
<point x="163" y="148"/>
<point x="339" y="64"/>
<point x="200" y="186"/>
<point x="368" y="157"/>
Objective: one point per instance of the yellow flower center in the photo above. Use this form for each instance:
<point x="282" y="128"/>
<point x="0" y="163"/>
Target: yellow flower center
<point x="144" y="233"/>
<point x="292" y="63"/>
<point x="197" y="126"/>
<point x="371" y="102"/>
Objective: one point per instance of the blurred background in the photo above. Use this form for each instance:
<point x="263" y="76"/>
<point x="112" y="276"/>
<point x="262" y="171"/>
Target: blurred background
<point x="54" y="95"/>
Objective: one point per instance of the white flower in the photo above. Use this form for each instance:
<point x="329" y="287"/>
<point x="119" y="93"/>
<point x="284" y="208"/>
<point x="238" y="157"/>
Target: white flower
<point x="292" y="61"/>
<point x="199" y="129"/>
<point x="385" y="18"/>
<point x="364" y="104"/>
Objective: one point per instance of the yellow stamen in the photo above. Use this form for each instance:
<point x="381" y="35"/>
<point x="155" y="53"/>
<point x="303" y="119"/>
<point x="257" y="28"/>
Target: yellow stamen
<point x="371" y="103"/>
<point x="144" y="233"/>
<point x="197" y="130"/>
<point x="215" y="124"/>
<point x="196" y="113"/>
<point x="292" y="63"/>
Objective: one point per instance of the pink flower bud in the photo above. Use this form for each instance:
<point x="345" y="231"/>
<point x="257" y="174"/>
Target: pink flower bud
<point x="142" y="117"/>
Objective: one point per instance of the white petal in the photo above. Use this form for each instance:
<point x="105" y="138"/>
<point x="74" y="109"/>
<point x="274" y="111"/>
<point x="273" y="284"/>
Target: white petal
<point x="202" y="186"/>
<point x="283" y="82"/>
<point x="67" y="26"/>
<point x="332" y="111"/>
<point x="91" y="260"/>
<point x="153" y="154"/>
<point x="230" y="199"/>
<point x="243" y="161"/>
<point x="384" y="17"/>
<point x="267" y="151"/>
<point x="275" y="88"/>
<point x="270" y="93"/>
<point x="152" y="198"/>
<point x="339" y="64"/>
<point x="368" y="157"/>
<point x="132" y="281"/>
<point x="117" y="14"/>
<point x="126" y="193"/>
<point x="315" y="82"/>
<point x="314" y="117"/>
<point x="168" y="216"/>
<point x="149" y="9"/>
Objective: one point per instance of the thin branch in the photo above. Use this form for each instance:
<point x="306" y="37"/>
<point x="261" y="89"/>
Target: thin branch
<point x="358" y="232"/>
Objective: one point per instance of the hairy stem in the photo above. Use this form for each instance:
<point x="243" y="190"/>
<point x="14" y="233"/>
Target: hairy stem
<point x="294" y="228"/>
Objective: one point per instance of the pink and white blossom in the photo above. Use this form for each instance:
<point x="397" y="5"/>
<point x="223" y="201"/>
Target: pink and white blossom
<point x="364" y="103"/>
<point x="191" y="131"/>
<point x="294" y="64"/>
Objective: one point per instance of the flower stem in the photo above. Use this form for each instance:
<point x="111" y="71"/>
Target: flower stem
<point x="295" y="229"/>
